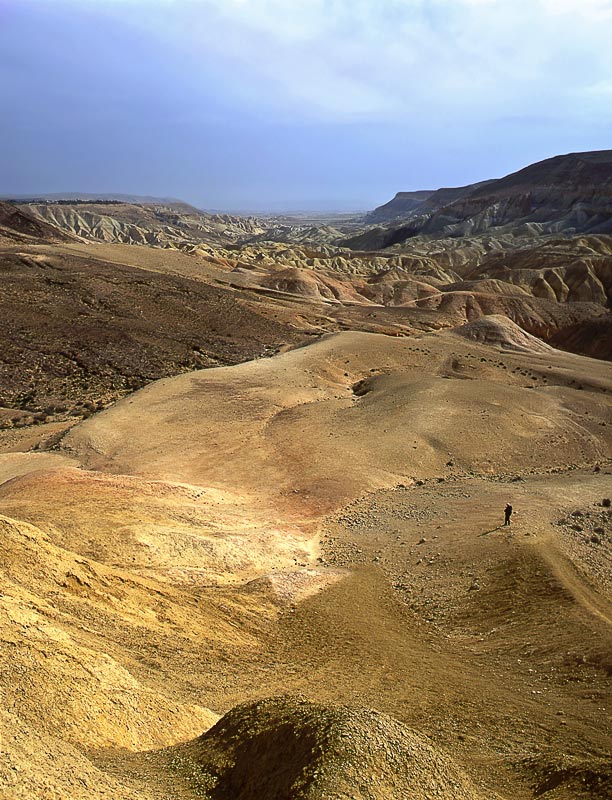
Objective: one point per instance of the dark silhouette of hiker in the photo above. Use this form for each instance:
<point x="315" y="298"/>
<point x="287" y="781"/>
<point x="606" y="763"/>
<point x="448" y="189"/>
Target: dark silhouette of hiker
<point x="507" y="514"/>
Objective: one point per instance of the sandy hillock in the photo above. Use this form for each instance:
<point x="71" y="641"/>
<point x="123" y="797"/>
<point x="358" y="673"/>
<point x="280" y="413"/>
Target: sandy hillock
<point x="290" y="748"/>
<point x="387" y="405"/>
<point x="309" y="284"/>
<point x="500" y="331"/>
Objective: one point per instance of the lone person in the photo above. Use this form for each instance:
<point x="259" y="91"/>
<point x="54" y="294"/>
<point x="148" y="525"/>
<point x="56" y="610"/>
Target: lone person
<point x="507" y="514"/>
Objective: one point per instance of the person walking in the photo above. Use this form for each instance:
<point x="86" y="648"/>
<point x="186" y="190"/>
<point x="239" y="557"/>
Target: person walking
<point x="507" y="514"/>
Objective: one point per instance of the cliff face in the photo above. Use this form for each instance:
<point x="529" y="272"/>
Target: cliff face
<point x="403" y="205"/>
<point x="567" y="194"/>
<point x="407" y="205"/>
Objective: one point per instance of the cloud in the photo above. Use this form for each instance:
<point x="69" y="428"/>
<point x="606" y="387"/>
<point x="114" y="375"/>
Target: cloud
<point x="395" y="61"/>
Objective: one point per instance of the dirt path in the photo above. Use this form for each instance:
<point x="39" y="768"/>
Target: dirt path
<point x="577" y="584"/>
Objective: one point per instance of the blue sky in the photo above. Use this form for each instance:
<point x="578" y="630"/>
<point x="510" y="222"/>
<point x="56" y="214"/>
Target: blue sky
<point x="295" y="104"/>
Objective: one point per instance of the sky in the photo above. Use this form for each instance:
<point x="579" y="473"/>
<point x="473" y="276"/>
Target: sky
<point x="295" y="105"/>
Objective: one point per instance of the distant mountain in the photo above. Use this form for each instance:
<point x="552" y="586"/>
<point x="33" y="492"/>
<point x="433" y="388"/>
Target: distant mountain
<point x="100" y="197"/>
<point x="403" y="205"/>
<point x="406" y="205"/>
<point x="569" y="194"/>
<point x="153" y="224"/>
<point x="445" y="196"/>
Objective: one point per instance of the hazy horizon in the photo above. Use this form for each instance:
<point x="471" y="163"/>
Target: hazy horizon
<point x="314" y="106"/>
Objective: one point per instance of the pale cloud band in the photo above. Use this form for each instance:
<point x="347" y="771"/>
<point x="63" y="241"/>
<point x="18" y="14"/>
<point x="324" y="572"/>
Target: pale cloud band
<point x="355" y="59"/>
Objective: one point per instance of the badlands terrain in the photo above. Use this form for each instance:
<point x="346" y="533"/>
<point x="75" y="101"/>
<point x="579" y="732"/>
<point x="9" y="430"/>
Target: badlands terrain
<point x="252" y="481"/>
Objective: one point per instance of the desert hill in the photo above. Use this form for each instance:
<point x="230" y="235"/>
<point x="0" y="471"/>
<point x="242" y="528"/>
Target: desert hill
<point x="172" y="225"/>
<point x="564" y="270"/>
<point x="412" y="384"/>
<point x="18" y="225"/>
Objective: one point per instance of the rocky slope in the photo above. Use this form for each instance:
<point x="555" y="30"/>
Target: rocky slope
<point x="19" y="225"/>
<point x="78" y="331"/>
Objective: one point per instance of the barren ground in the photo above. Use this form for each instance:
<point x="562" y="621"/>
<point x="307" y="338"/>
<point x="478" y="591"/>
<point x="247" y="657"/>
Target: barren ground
<point x="326" y="522"/>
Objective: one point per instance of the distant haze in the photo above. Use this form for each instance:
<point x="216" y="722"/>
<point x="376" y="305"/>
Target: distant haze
<point x="308" y="105"/>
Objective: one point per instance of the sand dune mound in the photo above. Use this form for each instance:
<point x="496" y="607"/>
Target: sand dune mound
<point x="309" y="284"/>
<point x="500" y="331"/>
<point x="290" y="747"/>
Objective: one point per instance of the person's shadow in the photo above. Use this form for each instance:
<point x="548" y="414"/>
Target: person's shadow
<point x="486" y="533"/>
